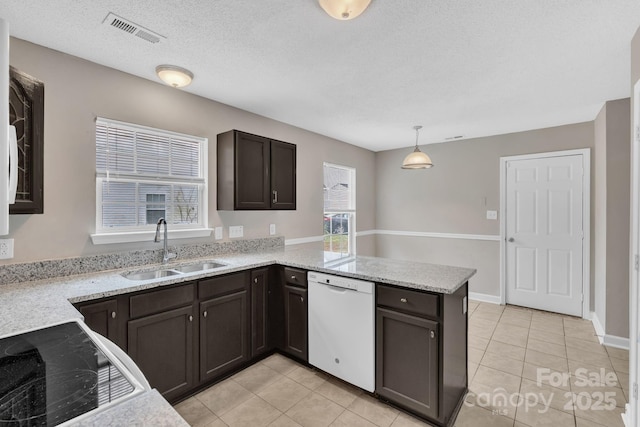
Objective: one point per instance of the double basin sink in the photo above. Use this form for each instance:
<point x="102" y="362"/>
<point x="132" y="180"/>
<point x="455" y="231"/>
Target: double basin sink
<point x="166" y="272"/>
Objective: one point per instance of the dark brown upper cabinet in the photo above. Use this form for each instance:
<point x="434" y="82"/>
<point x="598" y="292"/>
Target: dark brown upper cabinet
<point x="26" y="113"/>
<point x="255" y="173"/>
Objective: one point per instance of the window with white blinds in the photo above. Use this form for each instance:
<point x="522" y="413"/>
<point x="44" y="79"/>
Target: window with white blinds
<point x="143" y="174"/>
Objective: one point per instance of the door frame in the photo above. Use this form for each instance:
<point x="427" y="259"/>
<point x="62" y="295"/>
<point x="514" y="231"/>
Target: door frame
<point x="631" y="414"/>
<point x="586" y="220"/>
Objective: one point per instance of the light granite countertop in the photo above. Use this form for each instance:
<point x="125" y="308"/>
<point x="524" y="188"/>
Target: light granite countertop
<point x="37" y="304"/>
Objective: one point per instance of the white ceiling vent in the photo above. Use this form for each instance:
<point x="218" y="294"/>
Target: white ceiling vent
<point x="132" y="28"/>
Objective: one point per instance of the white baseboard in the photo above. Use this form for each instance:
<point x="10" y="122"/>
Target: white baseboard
<point x="626" y="415"/>
<point x="493" y="299"/>
<point x="608" y="340"/>
<point x="617" y="342"/>
<point x="597" y="326"/>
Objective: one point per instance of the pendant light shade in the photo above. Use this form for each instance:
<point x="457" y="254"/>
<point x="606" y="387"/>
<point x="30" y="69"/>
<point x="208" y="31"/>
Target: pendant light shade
<point x="344" y="10"/>
<point x="417" y="159"/>
<point x="174" y="76"/>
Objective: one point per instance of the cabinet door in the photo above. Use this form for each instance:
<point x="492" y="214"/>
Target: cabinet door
<point x="251" y="172"/>
<point x="26" y="113"/>
<point x="259" y="311"/>
<point x="162" y="346"/>
<point x="224" y="334"/>
<point x="283" y="175"/>
<point x="295" y="314"/>
<point x="407" y="370"/>
<point x="101" y="317"/>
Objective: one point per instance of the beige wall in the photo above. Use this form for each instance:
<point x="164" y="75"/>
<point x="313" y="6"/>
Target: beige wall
<point x="612" y="216"/>
<point x="618" y="217"/>
<point x="599" y="241"/>
<point x="76" y="91"/>
<point x="455" y="194"/>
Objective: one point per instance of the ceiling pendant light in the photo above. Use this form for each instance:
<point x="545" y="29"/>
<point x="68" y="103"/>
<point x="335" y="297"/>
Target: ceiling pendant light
<point x="417" y="159"/>
<point x="344" y="10"/>
<point x="174" y="76"/>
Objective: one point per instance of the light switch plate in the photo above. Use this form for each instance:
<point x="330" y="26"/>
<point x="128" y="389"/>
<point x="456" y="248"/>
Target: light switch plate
<point x="272" y="229"/>
<point x="6" y="248"/>
<point x="235" y="231"/>
<point x="218" y="233"/>
<point x="492" y="214"/>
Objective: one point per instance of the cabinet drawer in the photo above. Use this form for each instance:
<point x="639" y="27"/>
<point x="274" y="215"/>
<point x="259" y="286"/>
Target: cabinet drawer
<point x="295" y="276"/>
<point x="410" y="301"/>
<point x="222" y="285"/>
<point x="162" y="300"/>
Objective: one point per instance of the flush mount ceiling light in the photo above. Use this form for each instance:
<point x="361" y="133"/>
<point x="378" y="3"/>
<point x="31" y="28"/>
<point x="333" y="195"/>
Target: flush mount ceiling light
<point x="344" y="10"/>
<point x="174" y="76"/>
<point x="417" y="159"/>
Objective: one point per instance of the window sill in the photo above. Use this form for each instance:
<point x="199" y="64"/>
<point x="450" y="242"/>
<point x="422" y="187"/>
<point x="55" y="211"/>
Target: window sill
<point x="146" y="236"/>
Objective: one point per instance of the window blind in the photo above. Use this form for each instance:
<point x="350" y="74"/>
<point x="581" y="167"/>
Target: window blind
<point x="144" y="174"/>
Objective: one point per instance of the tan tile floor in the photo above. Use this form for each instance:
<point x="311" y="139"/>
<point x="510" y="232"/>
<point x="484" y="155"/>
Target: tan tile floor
<point x="526" y="368"/>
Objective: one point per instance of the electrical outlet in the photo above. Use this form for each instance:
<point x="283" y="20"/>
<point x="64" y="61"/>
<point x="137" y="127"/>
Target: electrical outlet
<point x="492" y="214"/>
<point x="218" y="233"/>
<point x="236" y="231"/>
<point x="272" y="229"/>
<point x="6" y="248"/>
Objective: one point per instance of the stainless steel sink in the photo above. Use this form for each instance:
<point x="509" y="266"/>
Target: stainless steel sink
<point x="211" y="265"/>
<point x="153" y="274"/>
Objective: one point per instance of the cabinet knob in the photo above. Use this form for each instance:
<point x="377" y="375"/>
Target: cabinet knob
<point x="113" y="314"/>
<point x="190" y="318"/>
<point x="433" y="334"/>
<point x="255" y="280"/>
<point x="511" y="240"/>
<point x="293" y="277"/>
<point x="301" y="299"/>
<point x="404" y="300"/>
<point x="204" y="314"/>
<point x="275" y="196"/>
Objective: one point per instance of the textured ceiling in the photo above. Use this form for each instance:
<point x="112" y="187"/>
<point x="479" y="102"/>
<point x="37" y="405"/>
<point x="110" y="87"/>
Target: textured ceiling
<point x="463" y="67"/>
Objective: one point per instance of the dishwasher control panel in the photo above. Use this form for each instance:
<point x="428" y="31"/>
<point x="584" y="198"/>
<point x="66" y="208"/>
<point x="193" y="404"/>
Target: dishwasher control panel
<point x="340" y="282"/>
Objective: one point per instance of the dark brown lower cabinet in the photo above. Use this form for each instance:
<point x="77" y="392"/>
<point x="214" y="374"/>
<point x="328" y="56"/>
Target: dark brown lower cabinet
<point x="101" y="317"/>
<point x="162" y="347"/>
<point x="224" y="334"/>
<point x="259" y="311"/>
<point x="407" y="368"/>
<point x="421" y="351"/>
<point x="295" y="321"/>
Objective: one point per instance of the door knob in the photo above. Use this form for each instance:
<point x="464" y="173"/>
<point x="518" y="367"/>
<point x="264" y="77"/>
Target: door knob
<point x="511" y="240"/>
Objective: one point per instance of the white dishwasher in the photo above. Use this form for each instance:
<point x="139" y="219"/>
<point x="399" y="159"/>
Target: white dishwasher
<point x="341" y="328"/>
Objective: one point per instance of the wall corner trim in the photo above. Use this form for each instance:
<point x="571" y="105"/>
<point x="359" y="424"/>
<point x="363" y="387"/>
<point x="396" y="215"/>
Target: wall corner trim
<point x="489" y="237"/>
<point x="303" y="240"/>
<point x="492" y="299"/>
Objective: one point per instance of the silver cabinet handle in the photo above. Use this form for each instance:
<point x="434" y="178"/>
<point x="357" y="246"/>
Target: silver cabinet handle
<point x="113" y="314"/>
<point x="275" y="196"/>
<point x="404" y="300"/>
<point x="433" y="334"/>
<point x="204" y="314"/>
<point x="255" y="280"/>
<point x="511" y="240"/>
<point x="293" y="277"/>
<point x="190" y="318"/>
<point x="301" y="299"/>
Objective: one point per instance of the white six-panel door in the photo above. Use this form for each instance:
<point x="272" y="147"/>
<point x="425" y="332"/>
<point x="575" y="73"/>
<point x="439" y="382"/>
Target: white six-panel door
<point x="544" y="232"/>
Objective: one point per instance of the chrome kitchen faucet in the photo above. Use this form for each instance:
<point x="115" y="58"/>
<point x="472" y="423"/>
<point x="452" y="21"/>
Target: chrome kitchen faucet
<point x="166" y="254"/>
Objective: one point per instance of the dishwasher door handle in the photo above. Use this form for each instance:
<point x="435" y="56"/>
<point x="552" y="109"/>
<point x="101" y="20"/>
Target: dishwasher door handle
<point x="338" y="289"/>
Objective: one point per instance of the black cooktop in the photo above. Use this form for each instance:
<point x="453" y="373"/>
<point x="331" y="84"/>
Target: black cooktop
<point x="52" y="375"/>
